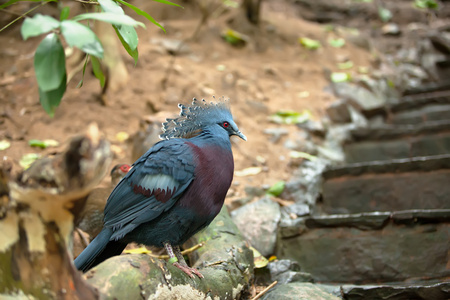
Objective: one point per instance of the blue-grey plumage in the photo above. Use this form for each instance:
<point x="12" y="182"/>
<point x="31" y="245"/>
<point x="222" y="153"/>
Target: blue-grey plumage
<point x="174" y="190"/>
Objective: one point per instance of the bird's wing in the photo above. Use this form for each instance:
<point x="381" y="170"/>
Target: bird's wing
<point x="153" y="185"/>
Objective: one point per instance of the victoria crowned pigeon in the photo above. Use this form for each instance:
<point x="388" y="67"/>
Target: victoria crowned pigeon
<point x="172" y="191"/>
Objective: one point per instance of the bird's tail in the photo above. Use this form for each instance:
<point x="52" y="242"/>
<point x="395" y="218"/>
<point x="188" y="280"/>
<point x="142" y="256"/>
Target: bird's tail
<point x="100" y="249"/>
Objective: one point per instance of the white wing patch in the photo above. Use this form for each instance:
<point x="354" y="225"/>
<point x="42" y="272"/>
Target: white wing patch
<point x="160" y="181"/>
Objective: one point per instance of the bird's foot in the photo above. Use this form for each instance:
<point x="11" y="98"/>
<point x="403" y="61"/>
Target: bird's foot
<point x="188" y="270"/>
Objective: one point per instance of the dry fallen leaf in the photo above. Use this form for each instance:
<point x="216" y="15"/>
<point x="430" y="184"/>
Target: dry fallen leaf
<point x="248" y="171"/>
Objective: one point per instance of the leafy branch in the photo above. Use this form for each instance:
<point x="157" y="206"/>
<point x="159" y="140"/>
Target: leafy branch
<point x="49" y="59"/>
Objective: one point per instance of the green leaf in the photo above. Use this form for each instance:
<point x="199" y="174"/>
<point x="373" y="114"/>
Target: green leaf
<point x="37" y="143"/>
<point x="38" y="25"/>
<point x="43" y="144"/>
<point x="385" y="14"/>
<point x="49" y="63"/>
<point x="4" y="144"/>
<point x="112" y="18"/>
<point x="127" y="34"/>
<point x="340" y="77"/>
<point x="234" y="38"/>
<point x="310" y="43"/>
<point x="14" y="1"/>
<point x="426" y="4"/>
<point x="97" y="69"/>
<point x="26" y="160"/>
<point x="129" y="39"/>
<point x="51" y="99"/>
<point x="276" y="189"/>
<point x="231" y="3"/>
<point x="290" y="117"/>
<point x="142" y="13"/>
<point x="64" y="13"/>
<point x="82" y="37"/>
<point x="80" y="84"/>
<point x="336" y="43"/>
<point x="167" y="2"/>
<point x="111" y="6"/>
<point x="345" y="65"/>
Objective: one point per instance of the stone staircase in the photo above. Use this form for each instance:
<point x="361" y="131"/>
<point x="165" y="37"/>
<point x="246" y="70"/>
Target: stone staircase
<point x="382" y="226"/>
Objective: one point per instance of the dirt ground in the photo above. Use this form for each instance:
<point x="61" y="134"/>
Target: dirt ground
<point x="272" y="72"/>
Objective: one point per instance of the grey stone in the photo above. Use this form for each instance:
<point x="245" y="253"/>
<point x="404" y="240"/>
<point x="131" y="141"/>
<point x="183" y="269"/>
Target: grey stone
<point x="301" y="142"/>
<point x="291" y="276"/>
<point x="258" y="223"/>
<point x="172" y="46"/>
<point x="283" y="265"/>
<point x="276" y="133"/>
<point x="338" y="112"/>
<point x="398" y="292"/>
<point x="413" y="71"/>
<point x="286" y="271"/>
<point x="332" y="153"/>
<point x="299" y="209"/>
<point x="440" y="41"/>
<point x="408" y="55"/>
<point x="380" y="87"/>
<point x="254" y="191"/>
<point x="428" y="62"/>
<point x="313" y="127"/>
<point x="298" y="291"/>
<point x="305" y="185"/>
<point x="239" y="202"/>
<point x="359" y="96"/>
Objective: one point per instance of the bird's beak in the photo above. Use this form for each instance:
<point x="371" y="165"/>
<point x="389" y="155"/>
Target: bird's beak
<point x="241" y="135"/>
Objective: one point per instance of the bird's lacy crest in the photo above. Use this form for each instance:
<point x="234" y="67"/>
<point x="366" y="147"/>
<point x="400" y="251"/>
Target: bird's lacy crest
<point x="193" y="118"/>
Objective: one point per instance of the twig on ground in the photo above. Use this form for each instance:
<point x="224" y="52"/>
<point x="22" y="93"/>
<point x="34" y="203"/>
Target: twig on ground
<point x="265" y="290"/>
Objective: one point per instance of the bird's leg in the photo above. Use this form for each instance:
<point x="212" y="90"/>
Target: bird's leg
<point x="177" y="259"/>
<point x="183" y="262"/>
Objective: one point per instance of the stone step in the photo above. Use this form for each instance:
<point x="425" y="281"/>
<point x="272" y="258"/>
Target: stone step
<point x="418" y="183"/>
<point x="370" y="247"/>
<point x="385" y="142"/>
<point x="442" y="85"/>
<point x="425" y="113"/>
<point x="417" y="100"/>
<point x="438" y="291"/>
<point x="419" y="108"/>
<point x="417" y="291"/>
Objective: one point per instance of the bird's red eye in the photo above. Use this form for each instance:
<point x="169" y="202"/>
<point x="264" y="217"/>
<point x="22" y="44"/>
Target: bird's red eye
<point x="125" y="168"/>
<point x="225" y="124"/>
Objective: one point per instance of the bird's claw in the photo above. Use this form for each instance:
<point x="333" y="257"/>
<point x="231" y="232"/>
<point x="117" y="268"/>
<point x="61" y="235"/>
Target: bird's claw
<point x="188" y="270"/>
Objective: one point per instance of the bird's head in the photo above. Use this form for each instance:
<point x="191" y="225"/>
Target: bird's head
<point x="231" y="128"/>
<point x="198" y="116"/>
<point x="118" y="172"/>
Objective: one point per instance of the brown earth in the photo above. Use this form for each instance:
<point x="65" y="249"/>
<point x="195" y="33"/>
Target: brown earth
<point x="272" y="72"/>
